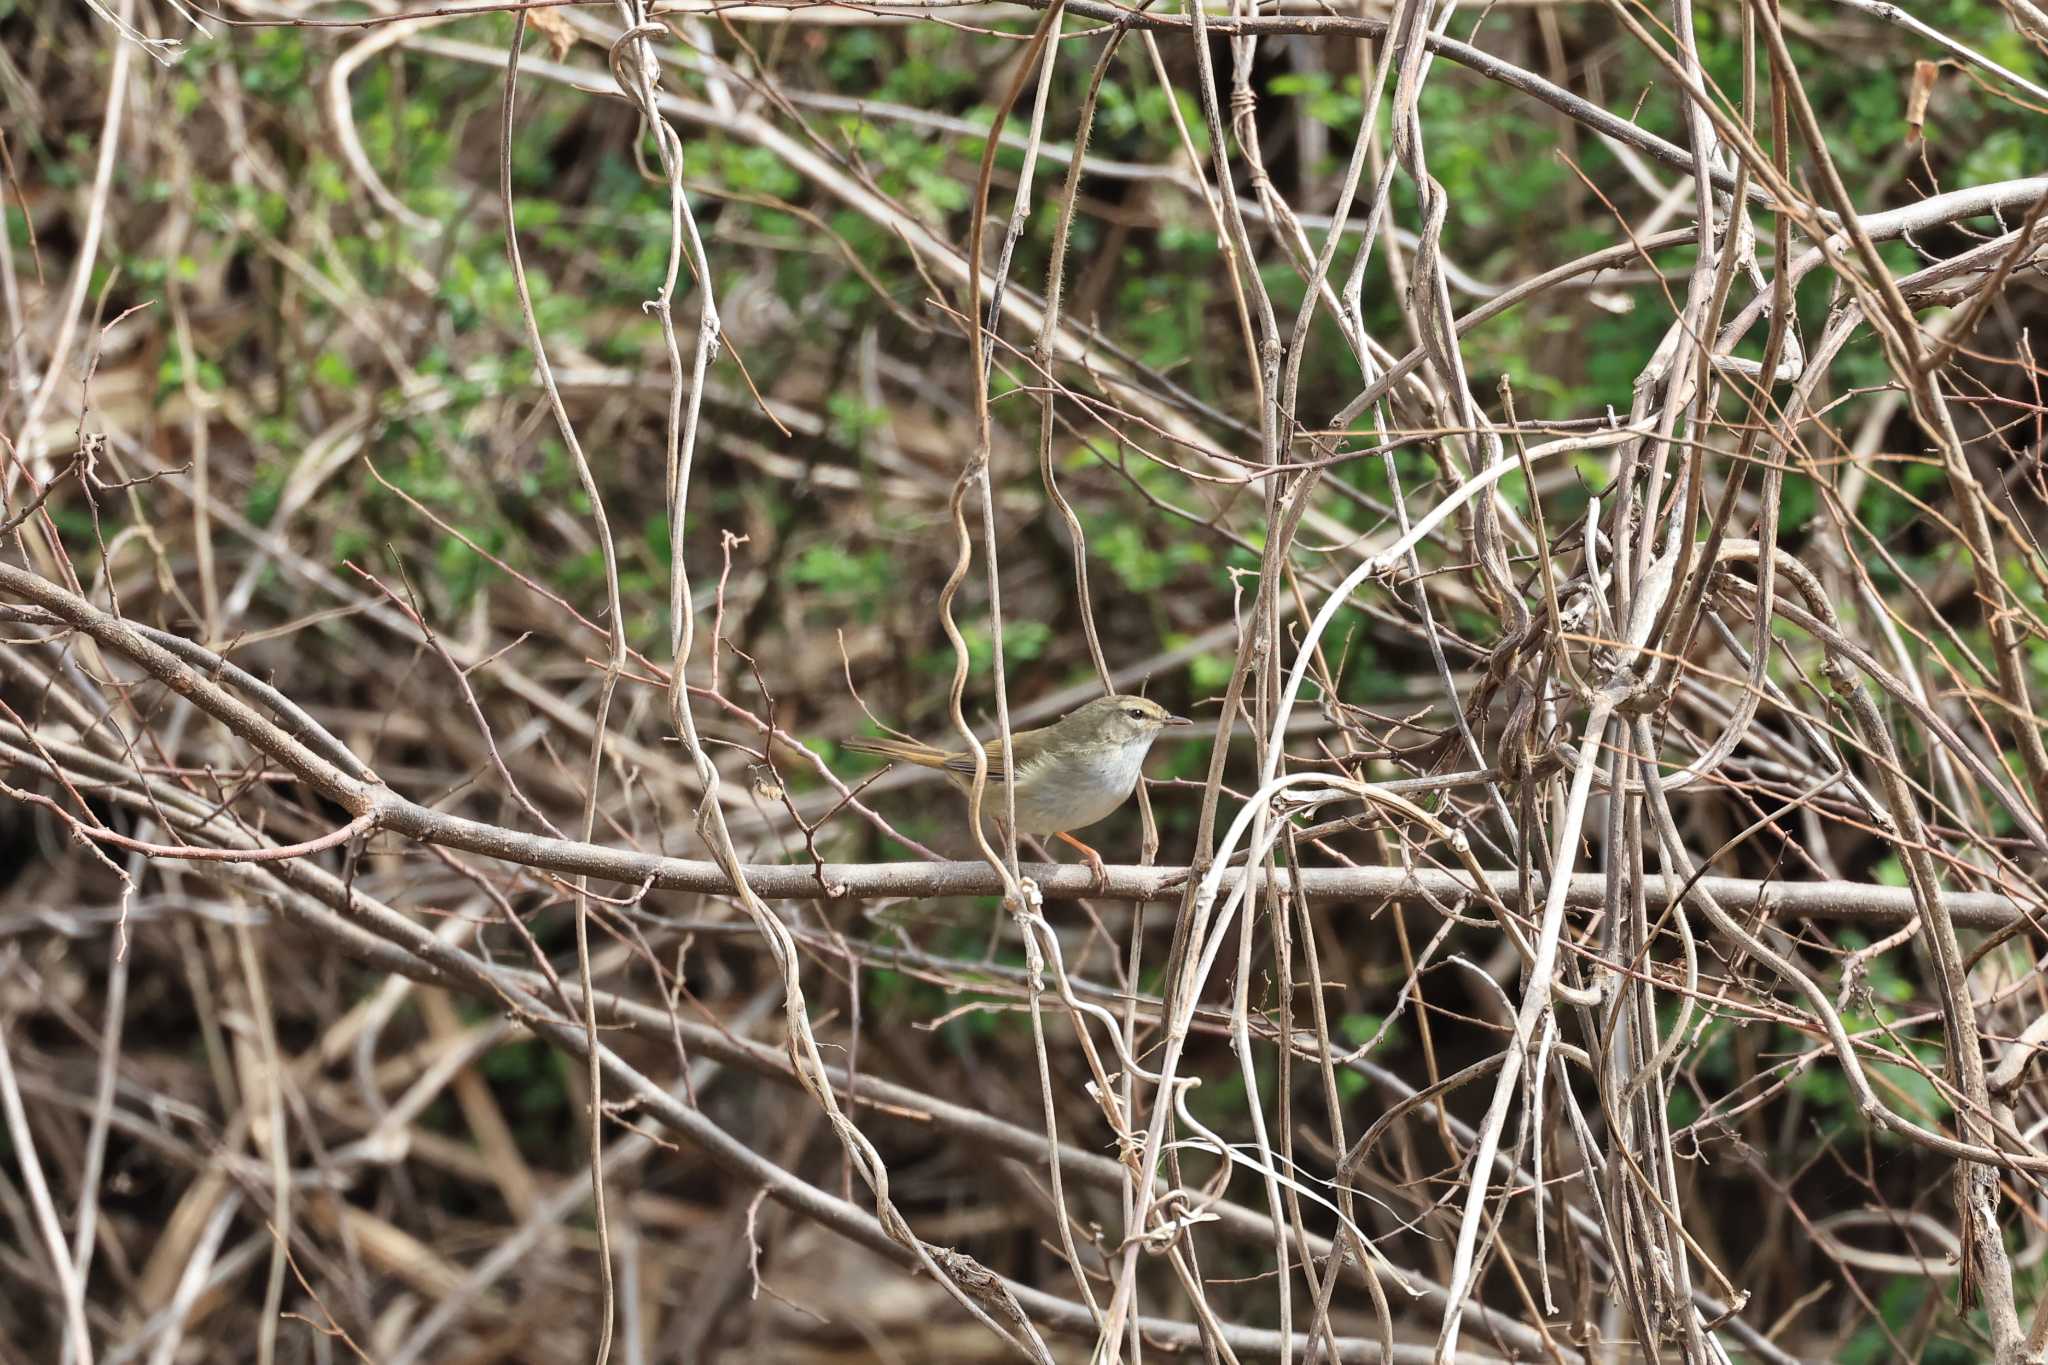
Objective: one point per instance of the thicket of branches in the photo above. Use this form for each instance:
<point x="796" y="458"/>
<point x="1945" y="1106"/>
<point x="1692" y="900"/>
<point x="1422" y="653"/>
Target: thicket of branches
<point x="465" y="468"/>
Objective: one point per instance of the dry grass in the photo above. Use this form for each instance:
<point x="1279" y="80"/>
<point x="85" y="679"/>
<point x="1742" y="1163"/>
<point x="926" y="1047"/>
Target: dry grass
<point x="436" y="923"/>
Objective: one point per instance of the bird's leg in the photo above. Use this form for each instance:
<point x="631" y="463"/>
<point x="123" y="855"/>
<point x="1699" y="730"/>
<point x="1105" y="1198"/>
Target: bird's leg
<point x="1094" y="859"/>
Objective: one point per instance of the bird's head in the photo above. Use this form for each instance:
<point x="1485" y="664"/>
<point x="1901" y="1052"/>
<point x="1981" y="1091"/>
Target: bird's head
<point x="1118" y="721"/>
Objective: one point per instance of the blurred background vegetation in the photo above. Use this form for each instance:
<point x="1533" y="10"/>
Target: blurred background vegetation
<point x="328" y="382"/>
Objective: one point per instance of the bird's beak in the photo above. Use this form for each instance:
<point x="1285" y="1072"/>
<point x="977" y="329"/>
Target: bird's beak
<point x="1177" y="720"/>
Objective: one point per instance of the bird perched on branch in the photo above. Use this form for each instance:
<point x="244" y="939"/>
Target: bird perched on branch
<point x="1070" y="773"/>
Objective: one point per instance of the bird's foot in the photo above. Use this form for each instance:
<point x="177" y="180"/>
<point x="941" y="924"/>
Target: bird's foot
<point x="1093" y="859"/>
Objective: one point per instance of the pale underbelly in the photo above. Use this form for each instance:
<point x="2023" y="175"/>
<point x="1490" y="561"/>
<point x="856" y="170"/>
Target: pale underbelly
<point x="1049" y="804"/>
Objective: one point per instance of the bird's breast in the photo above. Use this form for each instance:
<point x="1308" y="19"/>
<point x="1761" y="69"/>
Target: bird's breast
<point x="1078" y="791"/>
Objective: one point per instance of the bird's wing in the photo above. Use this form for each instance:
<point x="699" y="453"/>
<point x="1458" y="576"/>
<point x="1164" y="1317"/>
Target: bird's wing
<point x="1025" y="752"/>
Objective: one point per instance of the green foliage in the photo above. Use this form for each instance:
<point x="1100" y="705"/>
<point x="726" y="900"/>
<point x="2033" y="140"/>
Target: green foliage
<point x="273" y="64"/>
<point x="1336" y="104"/>
<point x="171" y="375"/>
<point x="1140" y="119"/>
<point x="1900" y="1303"/>
<point x="1138" y="565"/>
<point x="852" y="419"/>
<point x="527" y="1076"/>
<point x="1206" y="672"/>
<point x="1023" y="641"/>
<point x="1361" y="1026"/>
<point x="843" y="579"/>
<point x="902" y="998"/>
<point x="1163" y="315"/>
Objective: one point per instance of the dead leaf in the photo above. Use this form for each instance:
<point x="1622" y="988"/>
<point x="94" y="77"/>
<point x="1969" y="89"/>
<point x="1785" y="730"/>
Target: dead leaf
<point x="555" y="27"/>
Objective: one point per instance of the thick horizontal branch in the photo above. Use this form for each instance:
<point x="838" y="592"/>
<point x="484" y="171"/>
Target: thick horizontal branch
<point x="1834" y="900"/>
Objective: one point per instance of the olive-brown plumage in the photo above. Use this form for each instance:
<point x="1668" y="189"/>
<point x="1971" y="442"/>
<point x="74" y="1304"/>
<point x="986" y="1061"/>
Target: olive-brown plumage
<point x="1070" y="774"/>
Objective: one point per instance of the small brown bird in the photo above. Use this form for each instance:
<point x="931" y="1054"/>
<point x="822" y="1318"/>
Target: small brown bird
<point x="1070" y="773"/>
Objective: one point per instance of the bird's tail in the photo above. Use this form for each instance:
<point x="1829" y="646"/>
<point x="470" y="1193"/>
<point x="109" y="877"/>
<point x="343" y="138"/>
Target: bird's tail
<point x="902" y="751"/>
